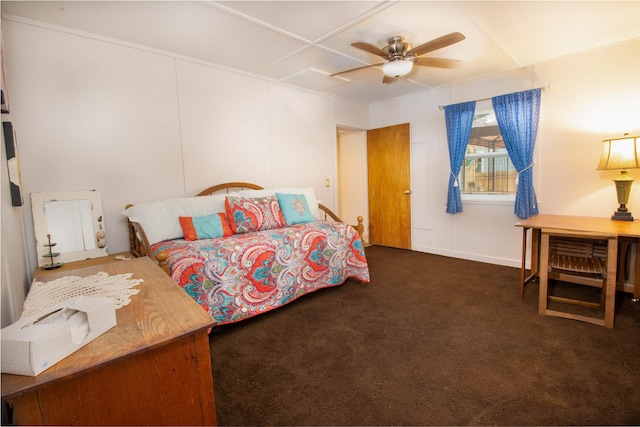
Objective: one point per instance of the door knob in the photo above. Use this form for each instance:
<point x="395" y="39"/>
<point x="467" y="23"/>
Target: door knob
<point x="407" y="191"/>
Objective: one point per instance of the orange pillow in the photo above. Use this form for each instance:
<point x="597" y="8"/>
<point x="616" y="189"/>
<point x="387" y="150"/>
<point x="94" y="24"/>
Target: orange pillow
<point x="205" y="227"/>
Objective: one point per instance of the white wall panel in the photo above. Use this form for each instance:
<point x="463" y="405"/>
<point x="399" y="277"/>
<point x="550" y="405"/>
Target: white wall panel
<point x="302" y="140"/>
<point x="93" y="115"/>
<point x="422" y="206"/>
<point x="423" y="112"/>
<point x="224" y="122"/>
<point x="578" y="113"/>
<point x="486" y="232"/>
<point x="502" y="84"/>
<point x="386" y="113"/>
<point x="349" y="114"/>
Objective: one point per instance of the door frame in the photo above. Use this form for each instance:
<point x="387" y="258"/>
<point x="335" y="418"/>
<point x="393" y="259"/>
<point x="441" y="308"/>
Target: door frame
<point x="356" y="161"/>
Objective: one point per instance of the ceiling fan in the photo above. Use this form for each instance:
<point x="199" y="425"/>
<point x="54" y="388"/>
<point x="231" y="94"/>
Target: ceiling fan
<point x="402" y="56"/>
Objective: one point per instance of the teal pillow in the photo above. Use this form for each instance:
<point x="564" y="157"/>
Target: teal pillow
<point x="295" y="208"/>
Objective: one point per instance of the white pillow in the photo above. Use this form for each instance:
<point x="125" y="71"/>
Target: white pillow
<point x="160" y="219"/>
<point x="309" y="194"/>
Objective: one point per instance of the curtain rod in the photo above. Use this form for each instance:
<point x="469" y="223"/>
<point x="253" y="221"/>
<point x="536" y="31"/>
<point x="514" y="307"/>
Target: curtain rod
<point x="543" y="88"/>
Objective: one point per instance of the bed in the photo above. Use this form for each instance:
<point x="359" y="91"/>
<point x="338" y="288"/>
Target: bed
<point x="245" y="272"/>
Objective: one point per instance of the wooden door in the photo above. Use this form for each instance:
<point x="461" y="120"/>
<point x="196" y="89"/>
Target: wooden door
<point x="388" y="158"/>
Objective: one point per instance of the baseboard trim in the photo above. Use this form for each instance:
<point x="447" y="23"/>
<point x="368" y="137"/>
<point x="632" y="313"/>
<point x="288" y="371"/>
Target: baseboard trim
<point x="471" y="257"/>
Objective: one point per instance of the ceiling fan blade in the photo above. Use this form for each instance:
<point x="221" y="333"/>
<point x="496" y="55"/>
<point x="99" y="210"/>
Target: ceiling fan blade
<point x="436" y="44"/>
<point x="438" y="62"/>
<point x="388" y="79"/>
<point x="371" y="49"/>
<point x="355" y="69"/>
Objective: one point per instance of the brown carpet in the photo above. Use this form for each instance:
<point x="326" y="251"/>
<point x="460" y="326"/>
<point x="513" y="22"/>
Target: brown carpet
<point x="431" y="340"/>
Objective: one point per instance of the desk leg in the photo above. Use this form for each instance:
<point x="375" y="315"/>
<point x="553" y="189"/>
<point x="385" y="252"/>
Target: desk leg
<point x="524" y="262"/>
<point x="535" y="258"/>
<point x="535" y="252"/>
<point x="623" y="251"/>
<point x="636" y="276"/>
<point x="543" y="291"/>
<point x="610" y="285"/>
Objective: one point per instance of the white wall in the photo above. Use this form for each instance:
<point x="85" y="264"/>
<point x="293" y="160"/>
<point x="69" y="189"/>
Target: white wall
<point x="14" y="276"/>
<point x="224" y="127"/>
<point x="593" y="96"/>
<point x="302" y="141"/>
<point x="93" y="115"/>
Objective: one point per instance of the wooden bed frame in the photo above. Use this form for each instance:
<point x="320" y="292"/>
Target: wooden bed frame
<point x="139" y="244"/>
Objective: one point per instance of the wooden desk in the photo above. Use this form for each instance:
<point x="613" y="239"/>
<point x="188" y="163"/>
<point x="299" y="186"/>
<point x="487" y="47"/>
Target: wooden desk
<point x="153" y="368"/>
<point x="627" y="231"/>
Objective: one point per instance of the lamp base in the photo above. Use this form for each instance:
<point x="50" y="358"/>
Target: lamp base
<point x="623" y="189"/>
<point x="622" y="216"/>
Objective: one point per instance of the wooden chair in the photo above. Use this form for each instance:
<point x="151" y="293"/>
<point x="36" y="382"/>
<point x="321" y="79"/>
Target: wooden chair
<point x="584" y="258"/>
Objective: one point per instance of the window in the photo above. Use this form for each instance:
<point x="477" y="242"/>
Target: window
<point x="487" y="168"/>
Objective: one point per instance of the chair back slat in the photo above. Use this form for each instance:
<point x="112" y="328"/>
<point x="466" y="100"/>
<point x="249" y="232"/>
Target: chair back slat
<point x="579" y="255"/>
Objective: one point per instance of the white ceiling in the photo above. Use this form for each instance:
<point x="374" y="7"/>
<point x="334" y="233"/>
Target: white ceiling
<point x="302" y="42"/>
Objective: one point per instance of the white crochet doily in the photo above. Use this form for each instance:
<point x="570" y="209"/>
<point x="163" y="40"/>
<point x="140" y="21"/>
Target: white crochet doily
<point x="44" y="295"/>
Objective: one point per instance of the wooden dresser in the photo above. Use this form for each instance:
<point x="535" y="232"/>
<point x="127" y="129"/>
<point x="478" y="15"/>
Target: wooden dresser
<point x="153" y="368"/>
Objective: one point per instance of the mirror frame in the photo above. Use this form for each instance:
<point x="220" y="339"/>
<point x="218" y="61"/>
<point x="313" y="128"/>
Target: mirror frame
<point x="40" y="227"/>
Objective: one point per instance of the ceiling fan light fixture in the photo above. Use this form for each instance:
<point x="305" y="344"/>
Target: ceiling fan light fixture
<point x="401" y="56"/>
<point x="397" y="68"/>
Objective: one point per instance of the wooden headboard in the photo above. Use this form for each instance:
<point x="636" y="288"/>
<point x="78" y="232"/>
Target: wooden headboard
<point x="228" y="187"/>
<point x="139" y="245"/>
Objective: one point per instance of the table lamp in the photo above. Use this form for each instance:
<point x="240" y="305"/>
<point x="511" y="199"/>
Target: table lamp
<point x="623" y="154"/>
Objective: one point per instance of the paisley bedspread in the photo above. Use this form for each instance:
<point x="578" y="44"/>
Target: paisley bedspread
<point x="243" y="275"/>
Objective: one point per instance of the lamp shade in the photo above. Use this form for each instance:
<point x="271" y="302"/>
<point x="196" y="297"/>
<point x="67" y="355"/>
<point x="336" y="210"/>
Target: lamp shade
<point x="398" y="68"/>
<point x="621" y="153"/>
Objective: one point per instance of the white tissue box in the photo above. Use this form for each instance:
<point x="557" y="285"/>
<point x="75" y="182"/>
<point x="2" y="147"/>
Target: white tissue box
<point x="36" y="343"/>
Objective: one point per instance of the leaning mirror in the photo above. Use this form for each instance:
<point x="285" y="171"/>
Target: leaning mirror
<point x="68" y="226"/>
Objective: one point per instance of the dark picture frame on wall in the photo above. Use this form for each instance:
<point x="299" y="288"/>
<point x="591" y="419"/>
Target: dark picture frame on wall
<point x="4" y="98"/>
<point x="15" y="182"/>
<point x="4" y="105"/>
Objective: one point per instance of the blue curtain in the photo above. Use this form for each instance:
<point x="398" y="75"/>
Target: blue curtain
<point x="517" y="115"/>
<point x="459" y="120"/>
